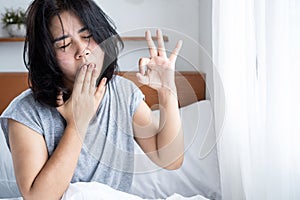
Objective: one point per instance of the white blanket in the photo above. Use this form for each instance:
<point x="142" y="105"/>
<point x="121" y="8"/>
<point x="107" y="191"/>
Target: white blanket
<point x="94" y="190"/>
<point x="98" y="191"/>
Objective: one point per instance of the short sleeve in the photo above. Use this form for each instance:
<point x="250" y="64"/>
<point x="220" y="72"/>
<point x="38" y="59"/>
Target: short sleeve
<point x="136" y="98"/>
<point x="130" y="93"/>
<point x="23" y="109"/>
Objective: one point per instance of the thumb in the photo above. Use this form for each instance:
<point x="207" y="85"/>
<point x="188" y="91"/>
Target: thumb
<point x="59" y="99"/>
<point x="60" y="103"/>
<point x="142" y="79"/>
<point x="143" y="62"/>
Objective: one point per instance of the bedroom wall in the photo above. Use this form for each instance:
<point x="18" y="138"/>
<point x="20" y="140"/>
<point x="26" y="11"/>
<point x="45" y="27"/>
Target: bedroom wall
<point x="190" y="22"/>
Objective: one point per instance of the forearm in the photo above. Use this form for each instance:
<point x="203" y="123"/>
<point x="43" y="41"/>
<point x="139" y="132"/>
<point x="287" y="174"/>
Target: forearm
<point x="164" y="146"/>
<point x="55" y="176"/>
<point x="170" y="142"/>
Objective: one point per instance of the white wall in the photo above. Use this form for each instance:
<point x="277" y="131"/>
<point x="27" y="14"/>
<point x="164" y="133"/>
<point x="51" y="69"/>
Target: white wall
<point x="188" y="20"/>
<point x="11" y="52"/>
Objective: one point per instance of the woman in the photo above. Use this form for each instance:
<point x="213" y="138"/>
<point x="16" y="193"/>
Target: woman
<point x="79" y="122"/>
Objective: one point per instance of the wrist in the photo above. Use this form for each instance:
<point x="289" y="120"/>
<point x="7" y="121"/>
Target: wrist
<point x="167" y="95"/>
<point x="80" y="130"/>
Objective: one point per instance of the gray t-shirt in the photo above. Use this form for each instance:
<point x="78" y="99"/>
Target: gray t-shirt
<point x="107" y="154"/>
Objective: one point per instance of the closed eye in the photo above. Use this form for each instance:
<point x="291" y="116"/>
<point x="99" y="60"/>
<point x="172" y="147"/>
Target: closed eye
<point x="88" y="36"/>
<point x="65" y="46"/>
<point x="63" y="42"/>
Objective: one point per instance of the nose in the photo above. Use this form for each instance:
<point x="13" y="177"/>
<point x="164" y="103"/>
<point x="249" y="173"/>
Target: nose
<point x="83" y="52"/>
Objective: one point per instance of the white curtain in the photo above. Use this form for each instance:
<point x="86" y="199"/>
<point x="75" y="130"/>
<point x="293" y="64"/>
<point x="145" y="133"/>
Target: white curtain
<point x="256" y="53"/>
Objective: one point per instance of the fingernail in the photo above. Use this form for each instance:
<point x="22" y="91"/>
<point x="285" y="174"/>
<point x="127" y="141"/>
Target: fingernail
<point x="148" y="34"/>
<point x="92" y="65"/>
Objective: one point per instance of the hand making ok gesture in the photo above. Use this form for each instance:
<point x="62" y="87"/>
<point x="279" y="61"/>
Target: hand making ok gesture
<point x="159" y="72"/>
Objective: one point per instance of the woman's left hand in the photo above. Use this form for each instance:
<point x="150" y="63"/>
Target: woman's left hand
<point x="160" y="69"/>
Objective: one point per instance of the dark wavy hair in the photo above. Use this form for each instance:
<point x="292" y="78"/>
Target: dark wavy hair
<point x="45" y="76"/>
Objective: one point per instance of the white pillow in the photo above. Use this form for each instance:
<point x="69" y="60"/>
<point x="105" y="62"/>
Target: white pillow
<point x="8" y="186"/>
<point x="199" y="173"/>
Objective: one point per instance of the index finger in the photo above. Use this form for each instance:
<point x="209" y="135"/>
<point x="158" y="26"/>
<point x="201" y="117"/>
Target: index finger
<point x="151" y="45"/>
<point x="79" y="79"/>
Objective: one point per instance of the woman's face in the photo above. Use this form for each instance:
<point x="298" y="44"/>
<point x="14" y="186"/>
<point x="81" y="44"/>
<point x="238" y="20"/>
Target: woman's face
<point x="74" y="46"/>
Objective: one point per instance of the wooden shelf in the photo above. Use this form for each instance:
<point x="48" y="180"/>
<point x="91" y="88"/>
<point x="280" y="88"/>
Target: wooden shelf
<point x="126" y="38"/>
<point x="12" y="39"/>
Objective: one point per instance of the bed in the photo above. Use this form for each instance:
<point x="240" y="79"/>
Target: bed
<point x="198" y="178"/>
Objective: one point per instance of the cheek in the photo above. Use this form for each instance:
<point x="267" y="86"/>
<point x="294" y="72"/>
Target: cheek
<point x="66" y="64"/>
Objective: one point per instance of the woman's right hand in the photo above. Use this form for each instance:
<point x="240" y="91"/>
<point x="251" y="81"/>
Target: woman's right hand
<point x="80" y="108"/>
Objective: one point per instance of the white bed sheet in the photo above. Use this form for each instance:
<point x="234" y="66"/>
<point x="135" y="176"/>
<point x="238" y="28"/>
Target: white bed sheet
<point x="98" y="191"/>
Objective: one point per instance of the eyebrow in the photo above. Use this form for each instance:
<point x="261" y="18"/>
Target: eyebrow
<point x="66" y="36"/>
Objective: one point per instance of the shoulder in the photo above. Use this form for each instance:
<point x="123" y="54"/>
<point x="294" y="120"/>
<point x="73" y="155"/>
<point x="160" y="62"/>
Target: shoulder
<point x="125" y="92"/>
<point x="124" y="86"/>
<point x="24" y="101"/>
<point x="26" y="110"/>
<point x="122" y="82"/>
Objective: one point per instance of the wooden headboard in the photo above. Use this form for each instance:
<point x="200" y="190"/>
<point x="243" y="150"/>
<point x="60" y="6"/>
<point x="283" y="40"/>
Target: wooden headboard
<point x="190" y="87"/>
<point x="11" y="85"/>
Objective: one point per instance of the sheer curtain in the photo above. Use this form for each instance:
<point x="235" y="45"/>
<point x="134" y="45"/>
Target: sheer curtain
<point x="256" y="52"/>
